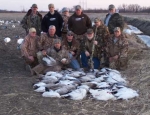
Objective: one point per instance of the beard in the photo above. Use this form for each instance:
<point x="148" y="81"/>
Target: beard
<point x="90" y="37"/>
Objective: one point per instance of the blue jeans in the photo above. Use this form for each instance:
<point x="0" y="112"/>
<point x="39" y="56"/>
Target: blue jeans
<point x="74" y="63"/>
<point x="85" y="59"/>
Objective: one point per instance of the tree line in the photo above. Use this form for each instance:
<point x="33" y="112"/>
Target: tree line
<point x="123" y="8"/>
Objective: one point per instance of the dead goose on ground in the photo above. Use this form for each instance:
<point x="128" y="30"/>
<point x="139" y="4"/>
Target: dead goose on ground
<point x="102" y="94"/>
<point x="77" y="94"/>
<point x="51" y="93"/>
<point x="66" y="89"/>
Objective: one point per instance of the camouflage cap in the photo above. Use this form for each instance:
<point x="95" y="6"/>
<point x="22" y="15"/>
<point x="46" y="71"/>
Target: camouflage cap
<point x="69" y="33"/>
<point x="111" y="6"/>
<point x="34" y="6"/>
<point x="56" y="41"/>
<point x="117" y="29"/>
<point x="90" y="31"/>
<point x="65" y="9"/>
<point x="97" y="20"/>
<point x="77" y="7"/>
<point x="51" y="5"/>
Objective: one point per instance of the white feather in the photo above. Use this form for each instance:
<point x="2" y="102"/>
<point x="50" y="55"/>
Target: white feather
<point x="102" y="94"/>
<point x="40" y="89"/>
<point x="20" y="40"/>
<point x="7" y="39"/>
<point x="39" y="84"/>
<point x="51" y="94"/>
<point x="126" y="93"/>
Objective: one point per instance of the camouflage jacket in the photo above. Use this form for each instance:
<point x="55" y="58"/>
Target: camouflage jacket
<point x="65" y="23"/>
<point x="30" y="20"/>
<point x="29" y="46"/>
<point x="75" y="46"/>
<point x="46" y="41"/>
<point x="58" y="55"/>
<point x="102" y="35"/>
<point x="116" y="20"/>
<point x="88" y="44"/>
<point x="119" y="47"/>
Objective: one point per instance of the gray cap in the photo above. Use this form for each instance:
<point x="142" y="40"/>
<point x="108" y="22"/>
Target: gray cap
<point x="57" y="41"/>
<point x="97" y="20"/>
<point x="65" y="9"/>
<point x="51" y="5"/>
<point x="77" y="7"/>
<point x="111" y="6"/>
<point x="34" y="6"/>
<point x="90" y="31"/>
<point x="117" y="29"/>
<point x="69" y="33"/>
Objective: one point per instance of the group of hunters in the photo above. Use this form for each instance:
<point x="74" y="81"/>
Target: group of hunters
<point x="72" y="40"/>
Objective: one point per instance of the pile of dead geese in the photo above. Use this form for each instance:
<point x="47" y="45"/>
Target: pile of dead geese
<point x="105" y="84"/>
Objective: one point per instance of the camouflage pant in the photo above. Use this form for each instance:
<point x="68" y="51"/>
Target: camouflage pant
<point x="31" y="63"/>
<point x="39" y="56"/>
<point x="119" y="64"/>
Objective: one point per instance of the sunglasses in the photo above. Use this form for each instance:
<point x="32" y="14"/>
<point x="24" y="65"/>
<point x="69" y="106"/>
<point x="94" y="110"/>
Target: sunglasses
<point x="33" y="32"/>
<point x="69" y="35"/>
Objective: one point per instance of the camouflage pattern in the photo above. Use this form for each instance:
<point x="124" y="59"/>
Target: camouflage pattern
<point x="65" y="26"/>
<point x="75" y="47"/>
<point x="119" y="48"/>
<point x="58" y="56"/>
<point x="31" y="20"/>
<point x="46" y="41"/>
<point x="88" y="47"/>
<point x="29" y="46"/>
<point x="102" y="36"/>
<point x="116" y="20"/>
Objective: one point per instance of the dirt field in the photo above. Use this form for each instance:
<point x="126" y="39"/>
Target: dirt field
<point x="18" y="98"/>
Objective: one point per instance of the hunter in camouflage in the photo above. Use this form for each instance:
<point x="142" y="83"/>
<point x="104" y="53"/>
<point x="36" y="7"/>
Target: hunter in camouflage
<point x="117" y="50"/>
<point x="32" y="19"/>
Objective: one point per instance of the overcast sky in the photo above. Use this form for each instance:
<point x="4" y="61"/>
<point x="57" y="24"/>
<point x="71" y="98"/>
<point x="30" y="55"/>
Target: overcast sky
<point x="59" y="4"/>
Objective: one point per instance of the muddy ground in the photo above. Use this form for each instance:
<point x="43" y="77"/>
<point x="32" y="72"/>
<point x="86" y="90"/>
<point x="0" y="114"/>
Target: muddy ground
<point x="18" y="98"/>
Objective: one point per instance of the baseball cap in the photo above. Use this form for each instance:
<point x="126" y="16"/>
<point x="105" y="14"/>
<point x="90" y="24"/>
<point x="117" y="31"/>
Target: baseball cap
<point x="34" y="5"/>
<point x="77" y="7"/>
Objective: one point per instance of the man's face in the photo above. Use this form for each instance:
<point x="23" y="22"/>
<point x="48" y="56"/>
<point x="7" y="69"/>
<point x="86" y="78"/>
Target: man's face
<point x="117" y="33"/>
<point x="78" y="11"/>
<point x="66" y="13"/>
<point x="112" y="11"/>
<point x="52" y="31"/>
<point x="69" y="37"/>
<point x="32" y="34"/>
<point x="51" y="9"/>
<point x="97" y="23"/>
<point x="57" y="45"/>
<point x="90" y="36"/>
<point x="34" y="9"/>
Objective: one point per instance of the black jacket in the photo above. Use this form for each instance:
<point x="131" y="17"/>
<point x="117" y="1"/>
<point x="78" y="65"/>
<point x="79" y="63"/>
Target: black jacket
<point x="115" y="20"/>
<point x="55" y="20"/>
<point x="79" y="24"/>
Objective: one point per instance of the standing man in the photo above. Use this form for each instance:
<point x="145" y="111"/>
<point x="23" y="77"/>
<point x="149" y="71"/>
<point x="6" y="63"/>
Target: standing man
<point x="117" y="49"/>
<point x="113" y="19"/>
<point x="102" y="36"/>
<point x="32" y="19"/>
<point x="79" y="23"/>
<point x="65" y="16"/>
<point x="52" y="18"/>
